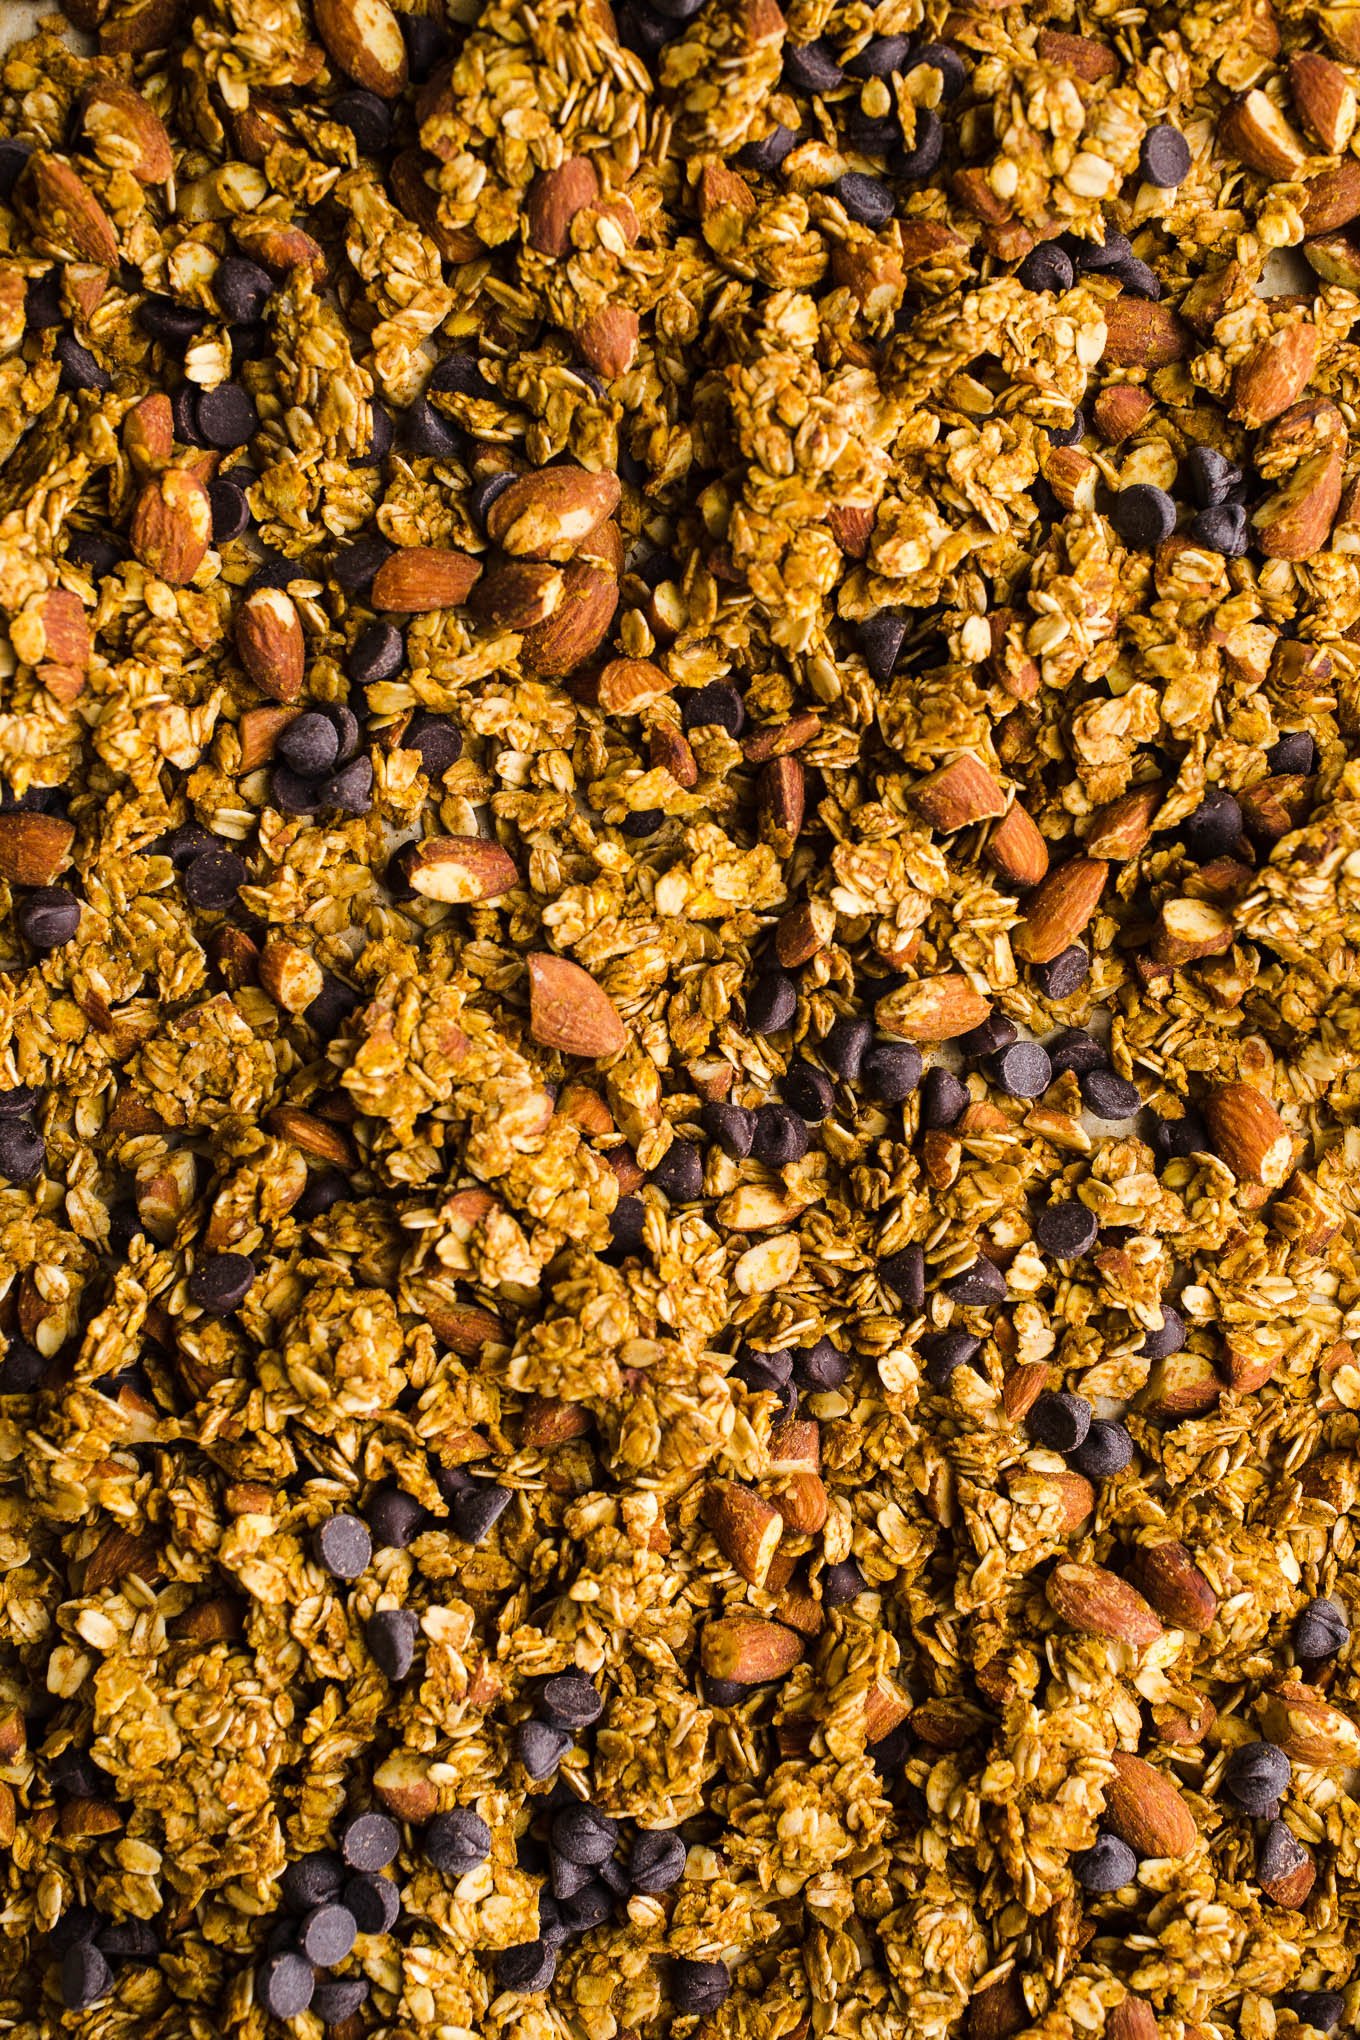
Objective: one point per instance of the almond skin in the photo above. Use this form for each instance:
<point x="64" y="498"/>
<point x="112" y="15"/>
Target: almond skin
<point x="270" y="641"/>
<point x="1306" y="1727"/>
<point x="66" y="212"/>
<point x="1099" y="1603"/>
<point x="578" y="625"/>
<point x="1017" y="850"/>
<point x="1176" y="1588"/>
<point x="517" y="594"/>
<point x="748" y="1649"/>
<point x="568" y="1010"/>
<point x="1142" y="334"/>
<point x="1332" y="199"/>
<point x="1254" y="132"/>
<point x="1249" y="1135"/>
<point x="608" y="340"/>
<point x="172" y="526"/>
<point x="1082" y="55"/>
<point x="422" y="577"/>
<point x="747" y="1527"/>
<point x="363" y="39"/>
<point x="933" y="1009"/>
<point x="1123" y="827"/>
<point x="1060" y="909"/>
<point x="1120" y="410"/>
<point x="459" y="870"/>
<point x="548" y="515"/>
<point x="781" y="794"/>
<point x="961" y="793"/>
<point x="1295" y="522"/>
<point x="1274" y="375"/>
<point x="33" y="847"/>
<point x="1324" y="99"/>
<point x="126" y="131"/>
<point x="1145" y="1809"/>
<point x="555" y="198"/>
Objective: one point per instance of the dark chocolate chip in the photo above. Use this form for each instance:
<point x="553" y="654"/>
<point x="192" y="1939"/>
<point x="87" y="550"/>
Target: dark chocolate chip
<point x="982" y="1283"/>
<point x="1213" y="829"/>
<point x="1108" y="1865"/>
<point x="844" y="1047"/>
<point x="881" y="637"/>
<point x="221" y="1282"/>
<point x="1106" y="1450"/>
<point x="866" y="201"/>
<point x="230" y="510"/>
<point x="344" y="1547"/>
<point x="368" y="118"/>
<point x="1047" y="267"/>
<point x="308" y="745"/>
<point x="1059" y="1420"/>
<point x="656" y="1860"/>
<point x="527" y="1967"/>
<point x="698" y="1987"/>
<point x="1064" y="973"/>
<point x="438" y="740"/>
<point x="390" y="1634"/>
<point x="1143" y="515"/>
<point x="284" y="1984"/>
<point x="1023" y="1070"/>
<point x="351" y="788"/>
<point x="1164" y="157"/>
<point x="1169" y="1338"/>
<point x="457" y="1842"/>
<point x="1066" y="1230"/>
<point x="1223" y="529"/>
<point x="541" y="1747"/>
<point x="312" y="1880"/>
<point x="1076" y="1050"/>
<point x="570" y="1699"/>
<point x="243" y="289"/>
<point x="477" y="1510"/>
<point x="766" y="155"/>
<point x="1256" y="1777"/>
<point x="679" y="1174"/>
<point x="48" y="918"/>
<point x="812" y="67"/>
<point x="891" y="1071"/>
<point x="820" y="1367"/>
<point x="393" y="1516"/>
<point x="1108" y="1096"/>
<point x="943" y="1099"/>
<point x="226" y="416"/>
<point x="378" y="653"/>
<point x="771" y="1003"/>
<point x="781" y="1136"/>
<point x="22" y="1152"/>
<point x="582" y="1834"/>
<point x="718" y="704"/>
<point x="80" y="370"/>
<point x="923" y="157"/>
<point x="214" y="879"/>
<point x="1321" y="1629"/>
<point x="374" y="1901"/>
<point x="369" y="1841"/>
<point x="326" y="1935"/>
<point x="905" y="1272"/>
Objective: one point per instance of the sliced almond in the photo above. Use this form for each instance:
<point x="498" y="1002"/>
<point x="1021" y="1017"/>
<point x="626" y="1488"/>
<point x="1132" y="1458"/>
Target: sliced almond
<point x="271" y="644"/>
<point x="569" y="1011"/>
<point x="748" y="1649"/>
<point x="555" y="197"/>
<point x="422" y="577"/>
<point x="961" y="793"/>
<point x="1059" y="910"/>
<point x="459" y="870"/>
<point x="1099" y="1603"/>
<point x="1016" y="849"/>
<point x="933" y="1009"/>
<point x="1256" y="133"/>
<point x="363" y="39"/>
<point x="33" y="847"/>
<point x="1249" y="1135"/>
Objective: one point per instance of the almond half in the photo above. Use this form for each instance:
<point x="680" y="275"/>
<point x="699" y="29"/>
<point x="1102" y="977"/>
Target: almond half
<point x="569" y="1011"/>
<point x="459" y="870"/>
<point x="1249" y="1135"/>
<point x="959" y="794"/>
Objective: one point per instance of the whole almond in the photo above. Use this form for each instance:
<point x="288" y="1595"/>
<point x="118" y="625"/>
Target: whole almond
<point x="748" y="1649"/>
<point x="364" y="40"/>
<point x="259" y="731"/>
<point x="459" y="870"/>
<point x="313" y="1136"/>
<point x="33" y="847"/>
<point x="625" y="686"/>
<point x="1274" y="374"/>
<point x="780" y="740"/>
<point x="803" y="1503"/>
<point x="1324" y="99"/>
<point x="1295" y="521"/>
<point x="465" y="1328"/>
<point x="517" y="594"/>
<point x="670" y="749"/>
<point x="421" y="577"/>
<point x="1123" y="827"/>
<point x="555" y="198"/>
<point x="1332" y="199"/>
<point x="1022" y="1388"/>
<point x="270" y="642"/>
<point x="547" y="1421"/>
<point x="1119" y="411"/>
<point x="1132" y="2019"/>
<point x="172" y="526"/>
<point x="747" y="1527"/>
<point x="1249" y="1135"/>
<point x="1144" y="1807"/>
<point x="1176" y="1588"/>
<point x="577" y="627"/>
<point x="66" y="213"/>
<point x="568" y="1010"/>
<point x="1099" y="1603"/>
<point x="1142" y="334"/>
<point x="933" y="1009"/>
<point x="125" y="131"/>
<point x="781" y="794"/>
<point x="1256" y="133"/>
<point x="608" y="340"/>
<point x="1060" y="908"/>
<point x="1016" y="849"/>
<point x="547" y="515"/>
<point x="961" y="793"/>
<point x="1306" y="1727"/>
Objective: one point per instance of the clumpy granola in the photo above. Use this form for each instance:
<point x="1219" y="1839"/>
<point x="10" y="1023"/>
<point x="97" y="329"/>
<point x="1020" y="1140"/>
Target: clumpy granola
<point x="679" y="1020"/>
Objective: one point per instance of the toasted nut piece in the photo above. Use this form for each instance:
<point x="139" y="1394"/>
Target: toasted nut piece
<point x="1182" y="1385"/>
<point x="1275" y="806"/>
<point x="1060" y="909"/>
<point x="748" y="1649"/>
<point x="626" y="686"/>
<point x="670" y="748"/>
<point x="1249" y="1356"/>
<point x="1184" y="1730"/>
<point x="1332" y="199"/>
<point x="976" y="194"/>
<point x="1284" y="1869"/>
<point x="959" y="794"/>
<point x="465" y="1327"/>
<point x="270" y="641"/>
<point x="780" y="740"/>
<point x="1306" y="1727"/>
<point x="172" y="526"/>
<point x="569" y="1011"/>
<point x="1119" y="411"/>
<point x="999" y="2011"/>
<point x="421" y="577"/>
<point x="1123" y="827"/>
<point x="125" y="131"/>
<point x="555" y="197"/>
<point x="780" y="794"/>
<point x="1133" y="2017"/>
<point x="1072" y="475"/>
<point x="746" y="1526"/>
<point x="1144" y="1807"/>
<point x="1324" y="99"/>
<point x="312" y="1136"/>
<point x="1008" y="663"/>
<point x="402" y="1783"/>
<point x="1140" y="333"/>
<point x="549" y="514"/>
<point x="608" y="340"/>
<point x="1067" y="1499"/>
<point x="803" y="932"/>
<point x="1304" y="1214"/>
<point x="1022" y="1388"/>
<point x="1176" y="1587"/>
<point x="795" y="1446"/>
<point x="1257" y="134"/>
<point x="578" y="626"/>
<point x="517" y="594"/>
<point x="459" y="870"/>
<point x="1082" y="55"/>
<point x="1016" y="849"/>
<point x="933" y="1009"/>
<point x="117" y="1554"/>
<point x="1099" y="1603"/>
<point x="290" y="974"/>
<point x="1335" y="258"/>
<point x="234" y="956"/>
<point x="1189" y="929"/>
<point x="548" y="1421"/>
<point x="33" y="847"/>
<point x="259" y="730"/>
<point x="1249" y="1135"/>
<point x="65" y="213"/>
<point x="850" y="524"/>
<point x="363" y="39"/>
<point x="803" y="1503"/>
<point x="1274" y="375"/>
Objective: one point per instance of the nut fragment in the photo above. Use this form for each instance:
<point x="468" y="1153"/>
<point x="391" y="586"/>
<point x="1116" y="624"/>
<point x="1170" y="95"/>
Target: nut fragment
<point x="569" y="1011"/>
<point x="459" y="870"/>
<point x="1249" y="1134"/>
<point x="1099" y="1603"/>
<point x="1060" y="909"/>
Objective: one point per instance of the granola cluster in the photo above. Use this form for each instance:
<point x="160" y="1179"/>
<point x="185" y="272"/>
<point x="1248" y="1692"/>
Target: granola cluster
<point x="679" y="1020"/>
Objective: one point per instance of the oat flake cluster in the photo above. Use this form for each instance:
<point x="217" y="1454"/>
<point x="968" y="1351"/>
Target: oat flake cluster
<point x="679" y="1020"/>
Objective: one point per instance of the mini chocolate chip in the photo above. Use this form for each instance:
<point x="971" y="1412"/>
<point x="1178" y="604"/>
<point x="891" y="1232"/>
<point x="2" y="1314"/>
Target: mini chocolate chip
<point x="1108" y="1096"/>
<point x="943" y="1098"/>
<point x="22" y="1152"/>
<point x="214" y="879"/>
<point x="1213" y="828"/>
<point x="982" y="1283"/>
<point x="368" y="118"/>
<point x="457" y="1841"/>
<point x="1066" y="1230"/>
<point x="1108" y="1865"/>
<point x="284" y="1984"/>
<point x="49" y="917"/>
<point x="1143" y="515"/>
<point x="881" y="637"/>
<point x="326" y="1935"/>
<point x="541" y="1747"/>
<point x="312" y="1880"/>
<point x="679" y="1174"/>
<point x="820" y="1367"/>
<point x="374" y="1901"/>
<point x="1169" y="1338"/>
<point x="1023" y="1070"/>
<point x="656" y="1859"/>
<point x="1321" y="1629"/>
<point x="570" y="1699"/>
<point x="866" y="201"/>
<point x="221" y="1282"/>
<point x="781" y="1136"/>
<point x="1047" y="267"/>
<point x="369" y="1841"/>
<point x="226" y="416"/>
<point x="891" y="1071"/>
<point x="1064" y="973"/>
<point x="344" y="1547"/>
<point x="1059" y="1420"/>
<point x="771" y="1003"/>
<point x="1106" y="1450"/>
<point x="308" y="745"/>
<point x="905" y="1272"/>
<point x="698" y="1987"/>
<point x="390" y="1634"/>
<point x="1076" y="1050"/>
<point x="766" y="155"/>
<point x="1164" y="157"/>
<point x="812" y="67"/>
<point x="844" y="1046"/>
<point x="475" y="1512"/>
